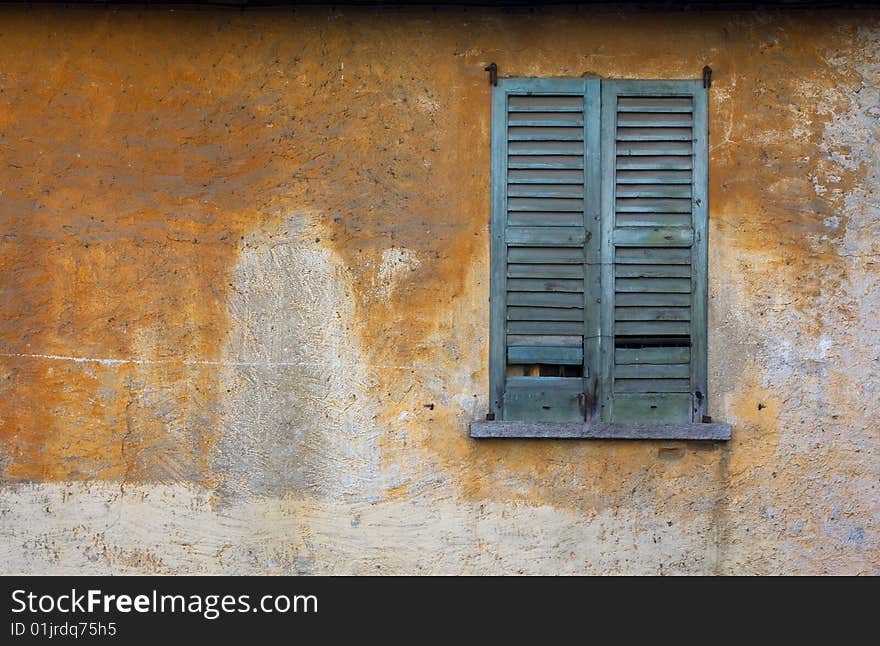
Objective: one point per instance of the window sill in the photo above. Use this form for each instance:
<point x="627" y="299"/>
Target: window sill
<point x="601" y="431"/>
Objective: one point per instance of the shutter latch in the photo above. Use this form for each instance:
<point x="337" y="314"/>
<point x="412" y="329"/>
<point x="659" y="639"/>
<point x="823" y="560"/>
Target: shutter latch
<point x="493" y="74"/>
<point x="707" y="77"/>
<point x="582" y="404"/>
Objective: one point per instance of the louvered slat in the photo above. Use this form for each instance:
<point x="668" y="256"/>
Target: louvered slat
<point x="547" y="175"/>
<point x="544" y="285"/>
<point x="546" y="236"/>
<point x="535" y="313"/>
<point x="544" y="219"/>
<point x="545" y="204"/>
<point x="656" y="162"/>
<point x="545" y="271"/>
<point x="545" y="148"/>
<point x="546" y="299"/>
<point x="545" y="355"/>
<point x="557" y="162"/>
<point x="553" y="118"/>
<point x="547" y="327"/>
<point x="657" y="220"/>
<point x="545" y="103"/>
<point x="553" y="255"/>
<point x="545" y="190"/>
<point x="544" y="340"/>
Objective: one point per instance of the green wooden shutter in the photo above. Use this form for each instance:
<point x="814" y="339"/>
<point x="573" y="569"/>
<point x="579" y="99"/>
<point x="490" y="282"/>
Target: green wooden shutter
<point x="544" y="283"/>
<point x="654" y="226"/>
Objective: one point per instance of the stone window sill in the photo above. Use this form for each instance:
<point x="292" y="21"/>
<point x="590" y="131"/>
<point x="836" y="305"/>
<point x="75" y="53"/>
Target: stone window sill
<point x="601" y="431"/>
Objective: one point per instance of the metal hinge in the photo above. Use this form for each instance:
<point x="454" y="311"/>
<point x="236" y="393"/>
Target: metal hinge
<point x="493" y="74"/>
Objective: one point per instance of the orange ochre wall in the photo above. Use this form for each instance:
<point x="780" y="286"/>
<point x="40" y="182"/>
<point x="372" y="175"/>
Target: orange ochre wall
<point x="244" y="260"/>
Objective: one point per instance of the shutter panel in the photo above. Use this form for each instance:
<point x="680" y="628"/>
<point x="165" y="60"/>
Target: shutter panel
<point x="654" y="225"/>
<point x="545" y="174"/>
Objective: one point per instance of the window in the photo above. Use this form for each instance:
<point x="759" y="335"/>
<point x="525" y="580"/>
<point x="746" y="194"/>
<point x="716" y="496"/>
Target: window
<point x="598" y="260"/>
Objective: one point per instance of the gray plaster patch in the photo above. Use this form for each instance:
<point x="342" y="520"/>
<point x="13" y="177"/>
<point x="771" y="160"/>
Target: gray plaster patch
<point x="295" y="415"/>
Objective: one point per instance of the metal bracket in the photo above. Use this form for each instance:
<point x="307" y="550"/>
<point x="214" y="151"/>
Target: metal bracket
<point x="707" y="77"/>
<point x="493" y="74"/>
<point x="582" y="404"/>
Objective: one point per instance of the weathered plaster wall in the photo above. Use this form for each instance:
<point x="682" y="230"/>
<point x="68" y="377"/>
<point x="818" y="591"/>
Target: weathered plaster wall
<point x="243" y="323"/>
